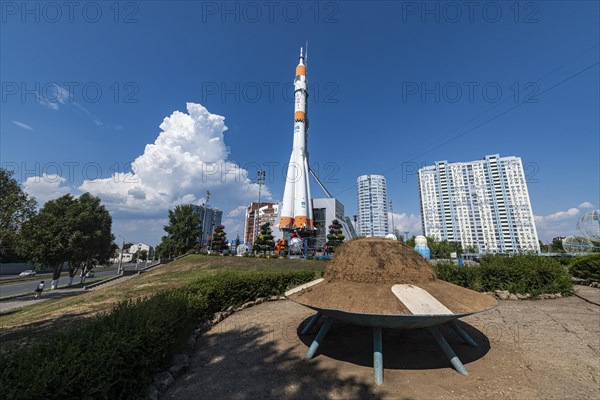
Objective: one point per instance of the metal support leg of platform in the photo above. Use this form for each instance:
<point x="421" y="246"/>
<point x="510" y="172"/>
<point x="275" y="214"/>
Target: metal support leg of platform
<point x="463" y="334"/>
<point x="456" y="363"/>
<point x="378" y="356"/>
<point x="311" y="323"/>
<point x="315" y="344"/>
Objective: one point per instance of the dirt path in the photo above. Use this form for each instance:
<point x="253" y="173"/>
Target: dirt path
<point x="528" y="349"/>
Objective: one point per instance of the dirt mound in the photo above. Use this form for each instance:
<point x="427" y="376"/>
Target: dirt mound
<point x="378" y="260"/>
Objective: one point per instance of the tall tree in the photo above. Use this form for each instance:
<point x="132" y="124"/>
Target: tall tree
<point x="218" y="240"/>
<point x="335" y="237"/>
<point x="166" y="248"/>
<point x="91" y="241"/>
<point x="184" y="228"/>
<point x="71" y="230"/>
<point x="46" y="236"/>
<point x="16" y="207"/>
<point x="265" y="240"/>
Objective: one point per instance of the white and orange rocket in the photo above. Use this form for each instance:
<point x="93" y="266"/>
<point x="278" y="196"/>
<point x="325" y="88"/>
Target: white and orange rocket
<point x="296" y="209"/>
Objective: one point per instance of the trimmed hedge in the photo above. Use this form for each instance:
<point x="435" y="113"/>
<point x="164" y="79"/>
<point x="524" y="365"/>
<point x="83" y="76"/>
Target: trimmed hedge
<point x="114" y="355"/>
<point x="586" y="267"/>
<point x="517" y="274"/>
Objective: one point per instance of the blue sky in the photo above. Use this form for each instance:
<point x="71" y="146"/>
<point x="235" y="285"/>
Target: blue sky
<point x="84" y="91"/>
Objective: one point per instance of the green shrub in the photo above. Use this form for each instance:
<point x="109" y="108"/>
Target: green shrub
<point x="586" y="267"/>
<point x="114" y="355"/>
<point x="518" y="274"/>
<point x="467" y="276"/>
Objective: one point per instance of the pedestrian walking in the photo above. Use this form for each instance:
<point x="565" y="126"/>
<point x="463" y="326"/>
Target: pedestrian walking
<point x="39" y="290"/>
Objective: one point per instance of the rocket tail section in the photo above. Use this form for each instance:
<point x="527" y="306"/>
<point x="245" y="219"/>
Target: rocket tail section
<point x="287" y="211"/>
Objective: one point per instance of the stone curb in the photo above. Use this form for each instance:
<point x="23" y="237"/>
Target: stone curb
<point x="506" y="295"/>
<point x="180" y="362"/>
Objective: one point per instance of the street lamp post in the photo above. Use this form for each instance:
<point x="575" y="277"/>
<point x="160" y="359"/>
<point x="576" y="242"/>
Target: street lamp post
<point x="212" y="232"/>
<point x="260" y="181"/>
<point x="119" y="270"/>
<point x="204" y="205"/>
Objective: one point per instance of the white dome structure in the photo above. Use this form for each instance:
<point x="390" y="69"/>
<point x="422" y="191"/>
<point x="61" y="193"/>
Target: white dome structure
<point x="420" y="240"/>
<point x="589" y="225"/>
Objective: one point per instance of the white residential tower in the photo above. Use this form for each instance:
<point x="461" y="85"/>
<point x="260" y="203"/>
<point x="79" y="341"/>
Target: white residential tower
<point x="372" y="206"/>
<point x="482" y="203"/>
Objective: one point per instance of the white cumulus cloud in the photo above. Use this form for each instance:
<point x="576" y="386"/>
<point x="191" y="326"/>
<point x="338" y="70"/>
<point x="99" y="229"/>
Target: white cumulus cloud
<point x="188" y="158"/>
<point x="585" y="205"/>
<point x="404" y="222"/>
<point x="45" y="187"/>
<point x="560" y="223"/>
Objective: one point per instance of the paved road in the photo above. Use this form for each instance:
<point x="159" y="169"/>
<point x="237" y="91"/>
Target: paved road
<point x="10" y="289"/>
<point x="22" y="301"/>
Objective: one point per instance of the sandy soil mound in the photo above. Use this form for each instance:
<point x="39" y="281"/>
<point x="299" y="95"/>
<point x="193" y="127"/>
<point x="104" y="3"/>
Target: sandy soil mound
<point x="378" y="260"/>
<point x="361" y="275"/>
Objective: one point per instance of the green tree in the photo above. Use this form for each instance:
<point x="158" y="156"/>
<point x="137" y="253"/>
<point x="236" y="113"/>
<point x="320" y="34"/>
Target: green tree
<point x="143" y="255"/>
<point x="46" y="236"/>
<point x="184" y="229"/>
<point x="265" y="240"/>
<point x="335" y="237"/>
<point x="16" y="207"/>
<point x="218" y="240"/>
<point x="471" y="249"/>
<point x="90" y="239"/>
<point x="557" y="245"/>
<point x="443" y="248"/>
<point x="166" y="248"/>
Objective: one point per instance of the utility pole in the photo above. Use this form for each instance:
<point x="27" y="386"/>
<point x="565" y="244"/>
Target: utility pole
<point x="260" y="181"/>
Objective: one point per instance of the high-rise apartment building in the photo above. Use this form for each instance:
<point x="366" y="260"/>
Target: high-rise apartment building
<point x="325" y="211"/>
<point x="210" y="219"/>
<point x="266" y="212"/>
<point x="482" y="203"/>
<point x="372" y="206"/>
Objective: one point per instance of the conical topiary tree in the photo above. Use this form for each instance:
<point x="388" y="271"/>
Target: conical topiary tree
<point x="335" y="236"/>
<point x="218" y="240"/>
<point x="265" y="240"/>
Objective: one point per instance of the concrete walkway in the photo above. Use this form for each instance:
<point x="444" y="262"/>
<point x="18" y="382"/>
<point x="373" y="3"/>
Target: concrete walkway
<point x="527" y="350"/>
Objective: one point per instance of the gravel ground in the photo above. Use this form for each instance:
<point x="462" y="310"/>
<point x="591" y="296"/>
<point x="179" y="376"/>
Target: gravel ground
<point x="527" y="350"/>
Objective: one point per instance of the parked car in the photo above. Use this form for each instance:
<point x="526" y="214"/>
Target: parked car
<point x="29" y="272"/>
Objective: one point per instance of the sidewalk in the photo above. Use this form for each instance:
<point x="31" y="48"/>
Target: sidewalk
<point x="587" y="293"/>
<point x="28" y="299"/>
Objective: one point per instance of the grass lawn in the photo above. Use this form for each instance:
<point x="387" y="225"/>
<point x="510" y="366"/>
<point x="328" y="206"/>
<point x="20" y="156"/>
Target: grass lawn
<point x="38" y="318"/>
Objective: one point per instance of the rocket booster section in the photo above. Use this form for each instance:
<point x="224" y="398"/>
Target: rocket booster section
<point x="296" y="210"/>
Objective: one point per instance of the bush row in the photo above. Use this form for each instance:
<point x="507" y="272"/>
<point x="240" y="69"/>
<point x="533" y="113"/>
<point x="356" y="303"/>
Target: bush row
<point x="114" y="355"/>
<point x="587" y="267"/>
<point x="518" y="274"/>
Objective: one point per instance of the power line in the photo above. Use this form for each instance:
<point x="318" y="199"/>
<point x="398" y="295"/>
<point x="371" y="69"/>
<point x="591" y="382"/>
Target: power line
<point x="502" y="102"/>
<point x="494" y="117"/>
